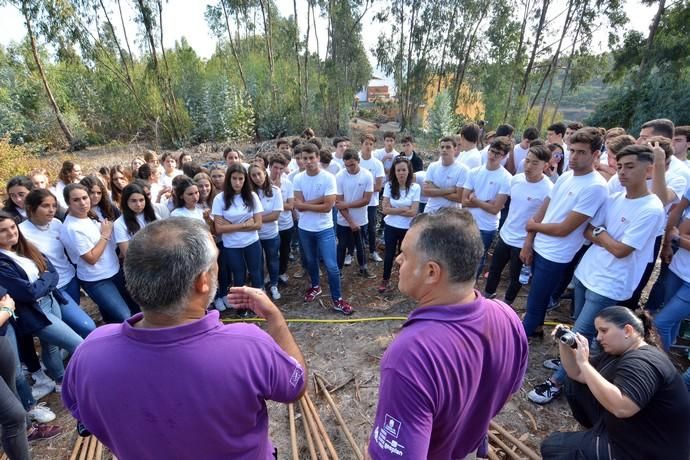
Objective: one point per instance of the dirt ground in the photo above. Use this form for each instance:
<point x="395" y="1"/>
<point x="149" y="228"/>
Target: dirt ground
<point x="346" y="355"/>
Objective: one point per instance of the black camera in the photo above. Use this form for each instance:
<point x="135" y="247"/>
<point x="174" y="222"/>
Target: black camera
<point x="566" y="336"/>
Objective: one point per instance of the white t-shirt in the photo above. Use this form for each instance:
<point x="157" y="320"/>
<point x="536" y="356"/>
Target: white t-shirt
<point x="470" y="158"/>
<point x="375" y="167"/>
<point x="48" y="242"/>
<point x="519" y="156"/>
<point x="419" y="178"/>
<point x="632" y="222"/>
<point x="237" y="213"/>
<point x="380" y="153"/>
<point x="167" y="180"/>
<point x="292" y="166"/>
<point x="525" y="200"/>
<point x="24" y="263"/>
<point x="680" y="264"/>
<point x="406" y="199"/>
<point x="79" y="237"/>
<point x="442" y="176"/>
<point x="182" y="211"/>
<point x="272" y="203"/>
<point x="674" y="181"/>
<point x="285" y="221"/>
<point x="487" y="185"/>
<point x="353" y="187"/>
<point x="583" y="194"/>
<point x="120" y="231"/>
<point x="332" y="167"/>
<point x="338" y="161"/>
<point x="313" y="187"/>
<point x="58" y="192"/>
<point x="679" y="167"/>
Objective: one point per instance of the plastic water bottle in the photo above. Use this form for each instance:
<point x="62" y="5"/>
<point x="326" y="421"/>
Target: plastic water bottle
<point x="525" y="274"/>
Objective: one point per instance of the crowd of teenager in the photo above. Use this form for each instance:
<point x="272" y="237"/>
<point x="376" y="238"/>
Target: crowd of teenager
<point x="583" y="212"/>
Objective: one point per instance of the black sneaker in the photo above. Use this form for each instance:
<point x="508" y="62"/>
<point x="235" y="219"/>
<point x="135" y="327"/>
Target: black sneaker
<point x="365" y="273"/>
<point x="554" y="364"/>
<point x="544" y="393"/>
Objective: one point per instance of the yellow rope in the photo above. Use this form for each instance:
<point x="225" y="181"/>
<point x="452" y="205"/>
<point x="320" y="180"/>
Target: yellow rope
<point x="311" y="320"/>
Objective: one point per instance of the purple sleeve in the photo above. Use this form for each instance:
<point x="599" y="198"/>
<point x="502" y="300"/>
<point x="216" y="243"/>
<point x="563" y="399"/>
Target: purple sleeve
<point x="286" y="377"/>
<point x="402" y="428"/>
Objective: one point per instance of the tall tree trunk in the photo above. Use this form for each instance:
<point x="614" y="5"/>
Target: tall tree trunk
<point x="51" y="99"/>
<point x="233" y="50"/>
<point x="653" y="29"/>
<point x="442" y="69"/>
<point x="266" y="16"/>
<point x="300" y="95"/>
<point x="568" y="66"/>
<point x="537" y="42"/>
<point x="518" y="56"/>
<point x="124" y="32"/>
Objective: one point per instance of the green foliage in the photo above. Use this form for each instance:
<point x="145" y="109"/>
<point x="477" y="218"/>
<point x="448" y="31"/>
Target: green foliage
<point x="440" y="120"/>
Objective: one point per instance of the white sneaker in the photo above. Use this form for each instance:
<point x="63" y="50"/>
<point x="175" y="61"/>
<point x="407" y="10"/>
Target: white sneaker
<point x="283" y="277"/>
<point x="275" y="294"/>
<point x="375" y="257"/>
<point x="348" y="259"/>
<point x="41" y="390"/>
<point x="41" y="413"/>
<point x="58" y="388"/>
<point x="40" y="377"/>
<point x="219" y="304"/>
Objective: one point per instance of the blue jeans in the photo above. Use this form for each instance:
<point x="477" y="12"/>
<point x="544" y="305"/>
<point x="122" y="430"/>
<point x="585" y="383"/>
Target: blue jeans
<point x="588" y="304"/>
<point x="315" y="244"/>
<point x="487" y="239"/>
<point x="546" y="275"/>
<point x="23" y="386"/>
<point x="676" y="308"/>
<point x="55" y="336"/>
<point x="112" y="298"/>
<point x="72" y="314"/>
<point x="271" y="248"/>
<point x="239" y="261"/>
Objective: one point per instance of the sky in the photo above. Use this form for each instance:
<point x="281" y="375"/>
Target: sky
<point x="185" y="18"/>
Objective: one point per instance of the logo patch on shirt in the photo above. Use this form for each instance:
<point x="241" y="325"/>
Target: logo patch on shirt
<point x="296" y="376"/>
<point x="382" y="436"/>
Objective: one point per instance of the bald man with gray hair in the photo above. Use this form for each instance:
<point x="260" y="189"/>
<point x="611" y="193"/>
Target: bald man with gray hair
<point x="173" y="381"/>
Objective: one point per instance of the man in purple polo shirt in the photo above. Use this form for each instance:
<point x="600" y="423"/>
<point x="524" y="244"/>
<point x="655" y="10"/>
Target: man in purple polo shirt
<point x="459" y="356"/>
<point x="173" y="382"/>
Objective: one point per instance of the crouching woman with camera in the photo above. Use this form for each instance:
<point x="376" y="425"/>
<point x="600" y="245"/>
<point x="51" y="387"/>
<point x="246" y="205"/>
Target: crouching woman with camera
<point x="629" y="396"/>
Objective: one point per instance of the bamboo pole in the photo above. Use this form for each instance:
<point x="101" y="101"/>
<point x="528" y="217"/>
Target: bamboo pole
<point x="99" y="451"/>
<point x="293" y="432"/>
<point x="531" y="455"/>
<point x="84" y="448"/>
<point x="321" y="428"/>
<point x="341" y="422"/>
<point x="312" y="427"/>
<point x="310" y="442"/>
<point x="75" y="449"/>
<point x="92" y="448"/>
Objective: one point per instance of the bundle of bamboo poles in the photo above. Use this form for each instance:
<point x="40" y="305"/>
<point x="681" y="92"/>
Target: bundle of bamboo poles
<point x="88" y="448"/>
<point x="499" y="442"/>
<point x="318" y="442"/>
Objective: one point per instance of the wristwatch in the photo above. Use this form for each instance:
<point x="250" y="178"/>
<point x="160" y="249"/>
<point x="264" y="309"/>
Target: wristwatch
<point x="598" y="230"/>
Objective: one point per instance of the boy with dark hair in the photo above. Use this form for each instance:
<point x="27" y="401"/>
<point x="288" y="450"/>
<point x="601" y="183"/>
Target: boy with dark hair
<point x="375" y="167"/>
<point x="515" y="161"/>
<point x="444" y="179"/>
<point x="341" y="144"/>
<point x="409" y="153"/>
<point x="387" y="154"/>
<point x="468" y="154"/>
<point x="528" y="190"/>
<point x="681" y="137"/>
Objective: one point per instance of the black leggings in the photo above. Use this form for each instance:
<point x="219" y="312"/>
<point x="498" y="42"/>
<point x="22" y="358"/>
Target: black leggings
<point x="393" y="237"/>
<point x="284" y="251"/>
<point x="592" y="444"/>
<point x="12" y="414"/>
<point x="503" y="254"/>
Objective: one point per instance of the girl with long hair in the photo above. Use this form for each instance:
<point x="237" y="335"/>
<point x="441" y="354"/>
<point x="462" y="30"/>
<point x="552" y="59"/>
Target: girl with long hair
<point x="400" y="204"/>
<point x="170" y="170"/>
<point x="118" y="181"/>
<point x="237" y="217"/>
<point x="101" y="205"/>
<point x="137" y="212"/>
<point x="18" y="187"/>
<point x="70" y="172"/>
<point x="31" y="279"/>
<point x="186" y="199"/>
<point x="286" y="225"/>
<point x="90" y="246"/>
<point x="43" y="230"/>
<point x="272" y="202"/>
